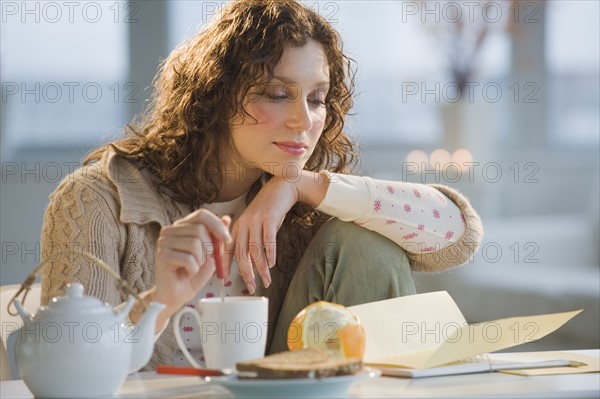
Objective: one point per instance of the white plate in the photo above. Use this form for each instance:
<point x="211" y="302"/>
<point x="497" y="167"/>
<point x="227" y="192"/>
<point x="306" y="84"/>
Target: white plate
<point x="293" y="387"/>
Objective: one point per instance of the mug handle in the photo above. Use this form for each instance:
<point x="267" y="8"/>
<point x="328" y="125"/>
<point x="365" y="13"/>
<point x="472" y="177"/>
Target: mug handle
<point x="177" y="331"/>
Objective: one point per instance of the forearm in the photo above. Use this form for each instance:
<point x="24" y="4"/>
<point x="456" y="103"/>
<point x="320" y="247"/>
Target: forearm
<point x="312" y="187"/>
<point x="400" y="211"/>
<point x="424" y="220"/>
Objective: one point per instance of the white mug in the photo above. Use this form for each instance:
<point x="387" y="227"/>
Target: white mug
<point x="231" y="331"/>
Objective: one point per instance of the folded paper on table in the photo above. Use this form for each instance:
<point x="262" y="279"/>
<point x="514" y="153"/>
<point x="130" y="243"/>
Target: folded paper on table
<point x="591" y="364"/>
<point x="402" y="325"/>
<point x="428" y="330"/>
<point x="479" y="338"/>
<point x="484" y="363"/>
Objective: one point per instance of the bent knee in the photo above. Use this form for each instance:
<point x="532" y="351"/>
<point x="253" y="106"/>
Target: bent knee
<point x="357" y="238"/>
<point x="361" y="255"/>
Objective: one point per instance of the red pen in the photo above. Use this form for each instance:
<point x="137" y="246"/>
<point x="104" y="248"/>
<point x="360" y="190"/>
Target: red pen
<point x="179" y="370"/>
<point x="219" y="266"/>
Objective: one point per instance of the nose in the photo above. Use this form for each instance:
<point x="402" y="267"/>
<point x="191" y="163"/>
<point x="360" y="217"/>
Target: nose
<point x="300" y="116"/>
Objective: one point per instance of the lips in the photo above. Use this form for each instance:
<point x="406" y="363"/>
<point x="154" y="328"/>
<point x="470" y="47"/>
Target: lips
<point x="292" y="147"/>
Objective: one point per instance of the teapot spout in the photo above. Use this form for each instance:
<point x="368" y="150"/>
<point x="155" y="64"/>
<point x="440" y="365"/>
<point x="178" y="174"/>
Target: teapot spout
<point x="145" y="336"/>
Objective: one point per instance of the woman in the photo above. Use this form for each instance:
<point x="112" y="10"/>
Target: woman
<point x="244" y="142"/>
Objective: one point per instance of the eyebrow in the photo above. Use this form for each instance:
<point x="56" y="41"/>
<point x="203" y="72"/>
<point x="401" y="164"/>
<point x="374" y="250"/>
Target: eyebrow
<point x="285" y="79"/>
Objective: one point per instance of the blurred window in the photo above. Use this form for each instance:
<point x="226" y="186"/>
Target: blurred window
<point x="573" y="68"/>
<point x="64" y="67"/>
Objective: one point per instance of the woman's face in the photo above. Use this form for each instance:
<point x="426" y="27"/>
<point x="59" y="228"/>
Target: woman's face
<point x="287" y="117"/>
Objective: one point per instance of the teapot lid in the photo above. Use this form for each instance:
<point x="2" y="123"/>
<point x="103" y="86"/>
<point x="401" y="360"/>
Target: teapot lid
<point x="75" y="301"/>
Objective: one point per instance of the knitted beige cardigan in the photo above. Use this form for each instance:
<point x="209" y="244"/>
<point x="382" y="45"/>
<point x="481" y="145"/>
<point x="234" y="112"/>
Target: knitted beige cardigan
<point x="113" y="210"/>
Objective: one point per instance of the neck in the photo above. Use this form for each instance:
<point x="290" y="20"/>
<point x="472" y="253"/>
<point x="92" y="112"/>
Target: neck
<point x="233" y="188"/>
<point x="237" y="179"/>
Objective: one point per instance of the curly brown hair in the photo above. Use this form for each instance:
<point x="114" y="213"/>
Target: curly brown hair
<point x="202" y="85"/>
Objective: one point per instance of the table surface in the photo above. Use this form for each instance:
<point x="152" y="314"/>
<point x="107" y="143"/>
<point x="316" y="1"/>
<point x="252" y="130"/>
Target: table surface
<point x="488" y="385"/>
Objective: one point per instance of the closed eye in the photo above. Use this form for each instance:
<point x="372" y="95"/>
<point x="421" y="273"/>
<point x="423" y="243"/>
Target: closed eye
<point x="317" y="102"/>
<point x="277" y="97"/>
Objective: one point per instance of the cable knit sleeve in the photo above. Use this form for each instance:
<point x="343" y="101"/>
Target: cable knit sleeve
<point x="82" y="214"/>
<point x="435" y="225"/>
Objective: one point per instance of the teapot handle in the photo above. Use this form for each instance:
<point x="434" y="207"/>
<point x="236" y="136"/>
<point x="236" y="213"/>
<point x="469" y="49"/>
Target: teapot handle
<point x="26" y="285"/>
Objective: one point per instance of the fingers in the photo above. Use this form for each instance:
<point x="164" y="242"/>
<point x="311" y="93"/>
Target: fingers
<point x="226" y="221"/>
<point x="244" y="260"/>
<point x="269" y="246"/>
<point x="257" y="255"/>
<point x="229" y="255"/>
<point x="187" y="244"/>
<point x="200" y="279"/>
<point x="174" y="260"/>
<point x="253" y="248"/>
<point x="184" y="246"/>
<point x="192" y="248"/>
<point x="218" y="227"/>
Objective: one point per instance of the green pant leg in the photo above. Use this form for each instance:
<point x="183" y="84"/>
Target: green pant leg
<point x="345" y="264"/>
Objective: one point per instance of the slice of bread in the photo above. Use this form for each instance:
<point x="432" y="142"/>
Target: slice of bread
<point x="305" y="363"/>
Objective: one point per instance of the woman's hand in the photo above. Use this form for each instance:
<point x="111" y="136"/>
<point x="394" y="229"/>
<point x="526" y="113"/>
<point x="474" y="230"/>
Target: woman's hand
<point x="185" y="257"/>
<point x="254" y="233"/>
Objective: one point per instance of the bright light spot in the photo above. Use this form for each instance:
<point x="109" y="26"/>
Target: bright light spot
<point x="417" y="158"/>
<point x="463" y="158"/>
<point x="440" y="158"/>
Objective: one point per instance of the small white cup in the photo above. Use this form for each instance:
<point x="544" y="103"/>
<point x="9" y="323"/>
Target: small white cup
<point x="231" y="331"/>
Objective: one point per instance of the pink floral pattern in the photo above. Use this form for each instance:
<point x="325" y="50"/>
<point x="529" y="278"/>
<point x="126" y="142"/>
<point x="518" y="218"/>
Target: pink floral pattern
<point x="377" y="205"/>
<point x="404" y="211"/>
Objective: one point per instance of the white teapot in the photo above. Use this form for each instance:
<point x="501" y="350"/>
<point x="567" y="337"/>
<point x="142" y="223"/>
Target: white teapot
<point x="76" y="346"/>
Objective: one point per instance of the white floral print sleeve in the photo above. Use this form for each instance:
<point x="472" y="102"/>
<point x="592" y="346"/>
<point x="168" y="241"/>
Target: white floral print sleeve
<point x="419" y="218"/>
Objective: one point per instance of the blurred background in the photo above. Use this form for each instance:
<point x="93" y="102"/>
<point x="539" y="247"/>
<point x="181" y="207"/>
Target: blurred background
<point x="499" y="99"/>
